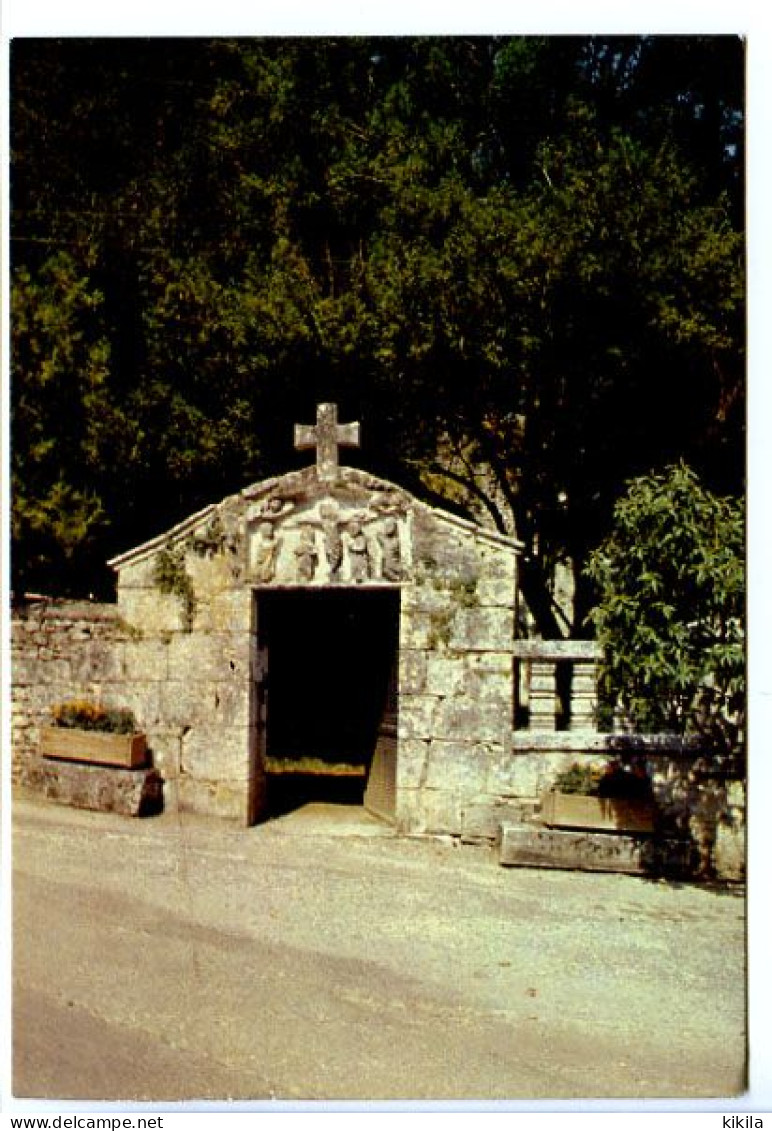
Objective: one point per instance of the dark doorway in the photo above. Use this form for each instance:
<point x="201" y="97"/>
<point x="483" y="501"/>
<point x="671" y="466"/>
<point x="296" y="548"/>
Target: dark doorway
<point x="326" y="691"/>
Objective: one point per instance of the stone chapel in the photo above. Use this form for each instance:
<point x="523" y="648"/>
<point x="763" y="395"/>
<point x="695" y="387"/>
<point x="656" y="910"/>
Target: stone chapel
<point x="325" y="614"/>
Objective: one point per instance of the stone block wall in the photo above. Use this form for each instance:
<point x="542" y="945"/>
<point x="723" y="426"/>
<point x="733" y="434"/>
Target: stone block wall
<point x="189" y="694"/>
<point x="456" y="678"/>
<point x="199" y="709"/>
<point x="61" y="650"/>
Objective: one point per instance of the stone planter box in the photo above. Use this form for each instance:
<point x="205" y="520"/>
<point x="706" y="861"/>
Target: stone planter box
<point x="602" y="814"/>
<point x="129" y="751"/>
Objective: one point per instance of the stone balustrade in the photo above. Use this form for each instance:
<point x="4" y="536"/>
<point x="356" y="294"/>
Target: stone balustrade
<point x="556" y="685"/>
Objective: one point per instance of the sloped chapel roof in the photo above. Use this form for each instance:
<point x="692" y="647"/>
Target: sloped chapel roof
<point x="308" y="482"/>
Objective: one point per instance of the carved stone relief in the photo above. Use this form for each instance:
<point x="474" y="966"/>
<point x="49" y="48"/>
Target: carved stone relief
<point x="345" y="539"/>
<point x="391" y="551"/>
<point x="358" y="552"/>
<point x="306" y="554"/>
<point x="265" y="551"/>
<point x="333" y="540"/>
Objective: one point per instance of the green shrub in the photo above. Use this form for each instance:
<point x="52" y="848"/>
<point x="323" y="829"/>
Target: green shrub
<point x="578" y="779"/>
<point x="671" y="611"/>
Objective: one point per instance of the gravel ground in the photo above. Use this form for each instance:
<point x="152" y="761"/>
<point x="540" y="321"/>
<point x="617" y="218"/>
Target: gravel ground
<point x="321" y="957"/>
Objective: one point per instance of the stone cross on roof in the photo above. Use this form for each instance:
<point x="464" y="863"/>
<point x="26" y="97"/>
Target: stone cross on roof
<point x="326" y="436"/>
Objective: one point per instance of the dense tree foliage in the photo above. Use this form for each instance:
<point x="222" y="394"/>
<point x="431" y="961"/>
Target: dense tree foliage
<point x="670" y="617"/>
<point x="518" y="261"/>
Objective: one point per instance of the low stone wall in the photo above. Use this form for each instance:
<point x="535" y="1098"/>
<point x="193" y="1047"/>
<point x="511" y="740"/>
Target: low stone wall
<point x="64" y="650"/>
<point x="710" y="811"/>
<point x="490" y="787"/>
<point x="60" y="650"/>
<point x="184" y="693"/>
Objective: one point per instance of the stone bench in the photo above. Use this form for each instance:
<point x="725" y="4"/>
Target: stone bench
<point x="130" y="792"/>
<point x="535" y="846"/>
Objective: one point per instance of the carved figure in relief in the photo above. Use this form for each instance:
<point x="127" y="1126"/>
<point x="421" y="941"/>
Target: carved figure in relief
<point x="265" y="551"/>
<point x="306" y="554"/>
<point x="385" y="501"/>
<point x="358" y="552"/>
<point x="391" y="551"/>
<point x="275" y="508"/>
<point x="333" y="541"/>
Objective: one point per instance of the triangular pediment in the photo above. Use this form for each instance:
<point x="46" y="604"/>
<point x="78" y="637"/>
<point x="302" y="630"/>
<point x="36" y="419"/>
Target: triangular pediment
<point x="298" y="528"/>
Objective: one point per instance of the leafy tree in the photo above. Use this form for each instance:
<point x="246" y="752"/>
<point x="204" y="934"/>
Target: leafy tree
<point x="505" y="255"/>
<point x="670" y="615"/>
<point x="63" y="421"/>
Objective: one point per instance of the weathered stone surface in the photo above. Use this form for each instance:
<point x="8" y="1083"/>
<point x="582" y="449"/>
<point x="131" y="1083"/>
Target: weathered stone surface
<point x="524" y="774"/>
<point x="229" y="800"/>
<point x="32" y="671"/>
<point x="457" y="766"/>
<point x="412" y="763"/>
<point x="495" y="561"/>
<point x="144" y="699"/>
<point x="729" y="851"/>
<point x="584" y="697"/>
<point x="417" y="716"/>
<point x="138" y="574"/>
<point x="325" y="437"/>
<point x="61" y="650"/>
<point x="101" y="662"/>
<point x="531" y="846"/>
<point x="189" y="703"/>
<point x="445" y="675"/>
<point x="229" y="702"/>
<point x="210" y="657"/>
<point x="209" y="575"/>
<point x="228" y="611"/>
<point x="426" y="597"/>
<point x="482" y="818"/>
<point x="164" y="752"/>
<point x="134" y="793"/>
<point x="495" y="591"/>
<point x="553" y="650"/>
<point x="470" y="719"/>
<point x="428" y="811"/>
<point x="483" y="629"/>
<point x="184" y="703"/>
<point x="611" y="745"/>
<point x="491" y="689"/>
<point x="145" y="660"/>
<point x="498" y="662"/>
<point x="421" y="630"/>
<point x="216" y="752"/>
<point x="412" y="672"/>
<point x="150" y="610"/>
<point x="542" y="700"/>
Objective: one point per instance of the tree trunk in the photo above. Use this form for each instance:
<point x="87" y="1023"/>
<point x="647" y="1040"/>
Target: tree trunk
<point x="539" y="600"/>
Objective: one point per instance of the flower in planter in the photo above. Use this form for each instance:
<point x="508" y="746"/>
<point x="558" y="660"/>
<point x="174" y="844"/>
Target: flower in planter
<point x="581" y="778"/>
<point x="613" y="779"/>
<point x="80" y="714"/>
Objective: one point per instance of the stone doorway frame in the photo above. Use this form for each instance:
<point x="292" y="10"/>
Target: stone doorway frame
<point x="384" y="759"/>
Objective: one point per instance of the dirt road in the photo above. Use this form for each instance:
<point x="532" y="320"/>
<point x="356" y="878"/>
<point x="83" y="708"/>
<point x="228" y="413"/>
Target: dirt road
<point x="320" y="957"/>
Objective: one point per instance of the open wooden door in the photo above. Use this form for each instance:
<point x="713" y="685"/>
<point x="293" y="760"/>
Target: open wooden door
<point x="381" y="792"/>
